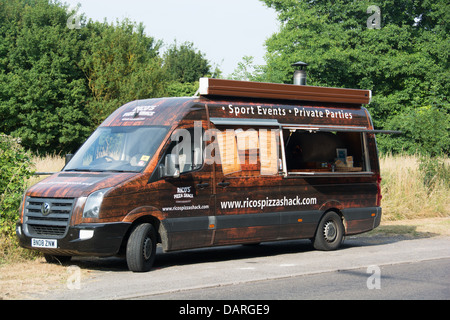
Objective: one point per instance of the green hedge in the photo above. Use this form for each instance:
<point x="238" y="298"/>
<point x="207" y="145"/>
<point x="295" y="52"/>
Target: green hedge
<point x="15" y="170"/>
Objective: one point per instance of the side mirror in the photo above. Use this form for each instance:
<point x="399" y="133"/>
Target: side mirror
<point x="170" y="167"/>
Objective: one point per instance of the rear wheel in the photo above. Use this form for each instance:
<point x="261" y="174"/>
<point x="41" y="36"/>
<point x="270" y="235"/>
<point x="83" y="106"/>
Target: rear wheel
<point x="330" y="232"/>
<point x="141" y="248"/>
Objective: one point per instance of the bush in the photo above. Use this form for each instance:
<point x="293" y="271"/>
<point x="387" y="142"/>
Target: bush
<point x="425" y="131"/>
<point x="15" y="165"/>
<point x="435" y="171"/>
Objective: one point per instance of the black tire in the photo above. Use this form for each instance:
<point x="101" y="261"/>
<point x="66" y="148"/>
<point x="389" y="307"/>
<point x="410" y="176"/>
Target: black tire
<point x="330" y="232"/>
<point x="141" y="248"/>
<point x="62" y="260"/>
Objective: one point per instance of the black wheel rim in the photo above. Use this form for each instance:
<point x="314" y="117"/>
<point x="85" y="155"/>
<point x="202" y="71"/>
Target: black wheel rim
<point x="147" y="248"/>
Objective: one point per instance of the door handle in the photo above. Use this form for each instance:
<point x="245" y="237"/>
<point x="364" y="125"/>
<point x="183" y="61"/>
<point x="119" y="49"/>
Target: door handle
<point x="203" y="185"/>
<point x="224" y="184"/>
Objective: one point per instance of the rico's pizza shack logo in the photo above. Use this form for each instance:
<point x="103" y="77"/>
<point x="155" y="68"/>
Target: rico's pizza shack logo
<point x="184" y="193"/>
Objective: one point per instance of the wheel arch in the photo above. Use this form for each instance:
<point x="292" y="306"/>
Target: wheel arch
<point x="336" y="207"/>
<point x="142" y="215"/>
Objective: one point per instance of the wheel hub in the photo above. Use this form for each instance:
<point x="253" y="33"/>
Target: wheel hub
<point x="329" y="231"/>
<point x="147" y="248"/>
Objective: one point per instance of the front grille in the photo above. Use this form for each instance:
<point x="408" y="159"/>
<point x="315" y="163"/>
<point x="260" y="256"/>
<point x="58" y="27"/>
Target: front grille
<point x="47" y="217"/>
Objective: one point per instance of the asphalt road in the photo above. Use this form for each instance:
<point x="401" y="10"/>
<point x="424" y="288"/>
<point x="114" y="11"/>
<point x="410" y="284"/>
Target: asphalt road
<point x="394" y="268"/>
<point x="405" y="281"/>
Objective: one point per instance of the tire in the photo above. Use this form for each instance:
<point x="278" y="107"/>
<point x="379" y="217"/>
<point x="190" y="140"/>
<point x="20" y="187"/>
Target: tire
<point x="330" y="232"/>
<point x="141" y="248"/>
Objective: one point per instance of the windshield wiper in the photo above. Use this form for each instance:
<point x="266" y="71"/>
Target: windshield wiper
<point x="87" y="170"/>
<point x="97" y="170"/>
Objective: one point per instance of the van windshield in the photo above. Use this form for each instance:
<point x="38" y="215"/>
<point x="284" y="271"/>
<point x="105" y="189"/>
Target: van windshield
<point x="118" y="149"/>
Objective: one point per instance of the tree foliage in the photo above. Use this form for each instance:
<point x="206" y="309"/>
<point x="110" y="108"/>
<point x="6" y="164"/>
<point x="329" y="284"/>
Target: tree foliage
<point x="247" y="70"/>
<point x="58" y="83"/>
<point x="184" y="65"/>
<point x="42" y="90"/>
<point x="121" y="64"/>
<point x="405" y="62"/>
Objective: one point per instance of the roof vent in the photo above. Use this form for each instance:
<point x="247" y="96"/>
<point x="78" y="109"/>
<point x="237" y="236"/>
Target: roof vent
<point x="300" y="74"/>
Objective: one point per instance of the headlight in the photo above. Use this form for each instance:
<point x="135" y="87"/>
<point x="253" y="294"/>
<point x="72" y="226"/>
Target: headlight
<point x="93" y="203"/>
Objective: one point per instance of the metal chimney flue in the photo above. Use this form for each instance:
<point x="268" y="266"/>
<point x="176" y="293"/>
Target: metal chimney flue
<point x="300" y="73"/>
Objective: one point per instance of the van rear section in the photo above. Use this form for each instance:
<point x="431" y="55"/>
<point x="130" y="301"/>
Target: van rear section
<point x="240" y="163"/>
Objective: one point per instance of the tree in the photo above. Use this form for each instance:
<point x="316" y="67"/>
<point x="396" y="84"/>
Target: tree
<point x="42" y="90"/>
<point x="121" y="64"/>
<point x="405" y="62"/>
<point x="246" y="70"/>
<point x="426" y="130"/>
<point x="184" y="63"/>
<point x="57" y="83"/>
<point x="184" y="66"/>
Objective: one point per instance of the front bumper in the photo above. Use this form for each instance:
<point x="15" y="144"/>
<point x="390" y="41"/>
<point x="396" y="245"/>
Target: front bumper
<point x="82" y="240"/>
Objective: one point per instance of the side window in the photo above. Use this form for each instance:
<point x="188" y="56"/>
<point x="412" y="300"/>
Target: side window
<point x="248" y="151"/>
<point x="324" y="151"/>
<point x="185" y="152"/>
<point x="187" y="149"/>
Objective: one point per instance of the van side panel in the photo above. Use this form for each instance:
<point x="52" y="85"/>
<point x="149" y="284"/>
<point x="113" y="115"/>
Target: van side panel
<point x="187" y="201"/>
<point x="289" y="112"/>
<point x="293" y="205"/>
<point x="243" y="210"/>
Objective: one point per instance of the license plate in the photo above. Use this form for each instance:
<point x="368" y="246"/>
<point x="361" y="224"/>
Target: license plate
<point x="44" y="243"/>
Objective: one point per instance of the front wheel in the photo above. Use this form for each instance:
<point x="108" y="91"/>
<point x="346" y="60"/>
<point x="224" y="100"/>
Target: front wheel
<point x="141" y="248"/>
<point x="330" y="232"/>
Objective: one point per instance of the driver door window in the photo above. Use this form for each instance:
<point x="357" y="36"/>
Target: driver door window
<point x="185" y="152"/>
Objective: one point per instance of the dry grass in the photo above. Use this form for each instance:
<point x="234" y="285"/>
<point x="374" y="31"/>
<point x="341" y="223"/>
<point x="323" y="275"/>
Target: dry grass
<point x="50" y="163"/>
<point x="405" y="195"/>
<point x="16" y="283"/>
<point x="424" y="227"/>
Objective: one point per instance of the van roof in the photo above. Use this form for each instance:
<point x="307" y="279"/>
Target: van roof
<point x="222" y="95"/>
<point x="247" y="89"/>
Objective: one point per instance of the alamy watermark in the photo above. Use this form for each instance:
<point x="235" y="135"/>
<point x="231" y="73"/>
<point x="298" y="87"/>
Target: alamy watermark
<point x="74" y="21"/>
<point x="374" y="280"/>
<point x="374" y="21"/>
<point x="74" y="279"/>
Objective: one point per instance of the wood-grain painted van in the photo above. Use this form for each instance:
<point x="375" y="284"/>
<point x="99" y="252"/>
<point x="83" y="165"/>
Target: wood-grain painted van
<point x="239" y="163"/>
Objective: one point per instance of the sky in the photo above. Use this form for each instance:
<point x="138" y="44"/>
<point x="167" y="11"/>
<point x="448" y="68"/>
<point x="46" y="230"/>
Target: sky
<point x="224" y="30"/>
